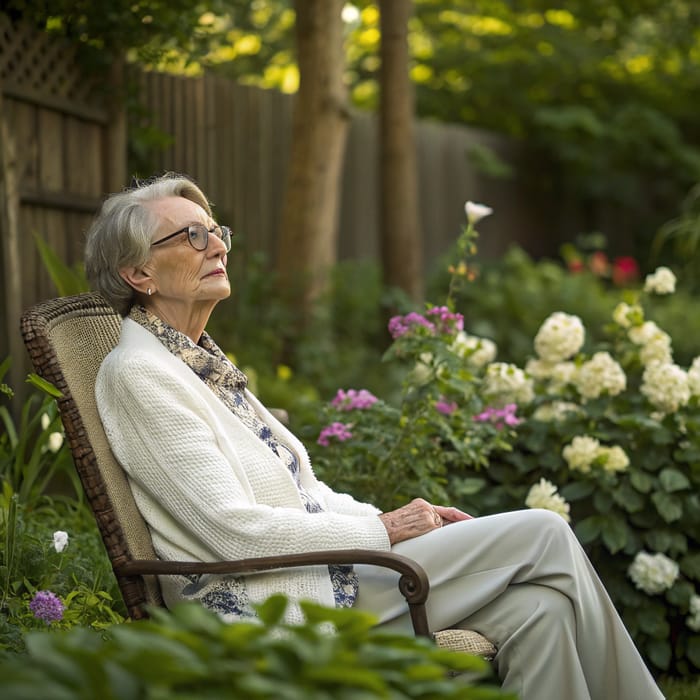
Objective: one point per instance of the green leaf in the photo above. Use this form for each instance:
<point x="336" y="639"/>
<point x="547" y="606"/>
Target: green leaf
<point x="589" y="529"/>
<point x="615" y="533"/>
<point x="41" y="384"/>
<point x="694" y="649"/>
<point x="272" y="610"/>
<point x="673" y="480"/>
<point x="690" y="565"/>
<point x="627" y="497"/>
<point x="659" y="652"/>
<point x="641" y="481"/>
<point x="668" y="507"/>
<point x="576" y="490"/>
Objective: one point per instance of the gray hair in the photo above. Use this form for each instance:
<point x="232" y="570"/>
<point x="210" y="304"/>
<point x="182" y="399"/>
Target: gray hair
<point x="120" y="235"/>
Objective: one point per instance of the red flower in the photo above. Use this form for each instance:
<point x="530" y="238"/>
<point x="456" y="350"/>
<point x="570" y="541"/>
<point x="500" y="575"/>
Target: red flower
<point x="625" y="270"/>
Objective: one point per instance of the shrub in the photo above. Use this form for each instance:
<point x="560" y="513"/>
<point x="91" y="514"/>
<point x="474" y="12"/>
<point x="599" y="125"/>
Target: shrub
<point x="191" y="653"/>
<point x="600" y="426"/>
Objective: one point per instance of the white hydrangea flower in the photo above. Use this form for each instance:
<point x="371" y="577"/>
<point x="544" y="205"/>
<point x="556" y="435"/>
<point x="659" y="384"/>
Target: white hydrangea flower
<point x="556" y="374"/>
<point x="600" y="375"/>
<point x="559" y="337"/>
<point x="614" y="458"/>
<point x="475" y="212"/>
<point x="694" y="377"/>
<point x="581" y="452"/>
<point x="544" y="495"/>
<point x="693" y="620"/>
<point x="423" y="371"/>
<point x="656" y="349"/>
<point x="506" y="383"/>
<point x="624" y="313"/>
<point x="60" y="540"/>
<point x="555" y="411"/>
<point x="653" y="573"/>
<point x="477" y="352"/>
<point x="666" y="386"/>
<point x="661" y="281"/>
<point x="643" y="333"/>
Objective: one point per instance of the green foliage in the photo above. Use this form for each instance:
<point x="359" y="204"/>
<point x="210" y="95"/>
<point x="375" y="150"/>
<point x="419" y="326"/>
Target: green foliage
<point x="191" y="653"/>
<point x="512" y="296"/>
<point x="68" y="280"/>
<point x="35" y="461"/>
<point x="33" y="454"/>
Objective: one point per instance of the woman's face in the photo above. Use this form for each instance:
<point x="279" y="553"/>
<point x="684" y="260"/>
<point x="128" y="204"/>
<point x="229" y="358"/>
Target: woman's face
<point x="185" y="279"/>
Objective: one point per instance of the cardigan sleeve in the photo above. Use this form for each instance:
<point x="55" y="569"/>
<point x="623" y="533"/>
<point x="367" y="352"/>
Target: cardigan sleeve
<point x="167" y="438"/>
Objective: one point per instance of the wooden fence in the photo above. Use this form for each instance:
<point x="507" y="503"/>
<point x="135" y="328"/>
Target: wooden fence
<point x="234" y="141"/>
<point x="62" y="146"/>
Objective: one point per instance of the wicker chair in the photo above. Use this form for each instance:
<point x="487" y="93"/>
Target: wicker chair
<point x="67" y="339"/>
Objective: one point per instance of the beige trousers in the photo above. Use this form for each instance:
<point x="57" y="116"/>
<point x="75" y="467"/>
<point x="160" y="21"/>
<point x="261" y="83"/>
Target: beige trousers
<point x="522" y="580"/>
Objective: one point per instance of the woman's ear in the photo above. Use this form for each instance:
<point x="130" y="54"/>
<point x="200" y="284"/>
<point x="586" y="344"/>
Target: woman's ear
<point x="137" y="278"/>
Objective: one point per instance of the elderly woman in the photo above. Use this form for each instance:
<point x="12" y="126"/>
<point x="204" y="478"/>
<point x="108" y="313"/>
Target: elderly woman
<point x="216" y="476"/>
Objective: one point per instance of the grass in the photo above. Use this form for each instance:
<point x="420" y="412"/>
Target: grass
<point x="681" y="690"/>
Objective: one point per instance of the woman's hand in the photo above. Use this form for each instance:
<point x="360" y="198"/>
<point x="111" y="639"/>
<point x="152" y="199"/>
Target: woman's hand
<point x="418" y="517"/>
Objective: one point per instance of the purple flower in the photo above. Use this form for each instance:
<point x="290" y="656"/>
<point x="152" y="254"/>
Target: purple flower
<point x="438" y="319"/>
<point x="352" y="399"/>
<point x="445" y="407"/>
<point x="500" y="417"/>
<point x="337" y="430"/>
<point x="46" y="606"/>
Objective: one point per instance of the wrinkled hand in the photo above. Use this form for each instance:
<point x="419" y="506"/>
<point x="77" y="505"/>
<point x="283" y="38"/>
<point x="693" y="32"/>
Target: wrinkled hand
<point x="418" y="517"/>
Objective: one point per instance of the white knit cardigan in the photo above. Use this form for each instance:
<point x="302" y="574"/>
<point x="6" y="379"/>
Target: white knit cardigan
<point x="208" y="487"/>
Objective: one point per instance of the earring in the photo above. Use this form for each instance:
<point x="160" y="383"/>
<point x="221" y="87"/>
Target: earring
<point x="148" y="291"/>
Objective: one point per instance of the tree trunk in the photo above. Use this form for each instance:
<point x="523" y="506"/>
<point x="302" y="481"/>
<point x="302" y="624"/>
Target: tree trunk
<point x="308" y="239"/>
<point x="401" y="243"/>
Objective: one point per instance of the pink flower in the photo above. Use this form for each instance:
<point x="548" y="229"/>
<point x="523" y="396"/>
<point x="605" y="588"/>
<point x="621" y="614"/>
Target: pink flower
<point x="352" y="399"/>
<point x="445" y="407"/>
<point x="46" y="606"/>
<point x="500" y="417"/>
<point x="339" y="431"/>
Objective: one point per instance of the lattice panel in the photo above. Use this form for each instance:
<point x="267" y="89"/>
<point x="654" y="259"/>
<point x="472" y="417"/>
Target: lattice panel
<point x="35" y="61"/>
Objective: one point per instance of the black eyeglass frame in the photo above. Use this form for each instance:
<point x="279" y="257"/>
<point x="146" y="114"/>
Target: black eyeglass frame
<point x="226" y="235"/>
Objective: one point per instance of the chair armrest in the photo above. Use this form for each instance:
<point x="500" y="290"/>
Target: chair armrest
<point x="413" y="583"/>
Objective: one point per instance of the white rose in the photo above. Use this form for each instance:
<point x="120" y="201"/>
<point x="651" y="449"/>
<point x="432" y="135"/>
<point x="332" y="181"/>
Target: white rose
<point x="621" y="314"/>
<point x="581" y="452"/>
<point x="423" y="372"/>
<point x="653" y="573"/>
<point x="544" y="495"/>
<point x="555" y="411"/>
<point x="694" y="377"/>
<point x="614" y="458"/>
<point x="60" y="540"/>
<point x="693" y="621"/>
<point x="505" y="383"/>
<point x="477" y="352"/>
<point x="642" y="334"/>
<point x="656" y="349"/>
<point x="476" y="212"/>
<point x="600" y="375"/>
<point x="666" y="386"/>
<point x="559" y="337"/>
<point x="661" y="281"/>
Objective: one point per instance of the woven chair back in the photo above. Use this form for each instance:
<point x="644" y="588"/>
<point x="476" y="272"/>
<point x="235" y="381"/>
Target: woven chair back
<point x="67" y="339"/>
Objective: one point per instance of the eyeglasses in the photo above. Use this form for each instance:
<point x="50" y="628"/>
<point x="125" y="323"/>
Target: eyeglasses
<point x="198" y="236"/>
